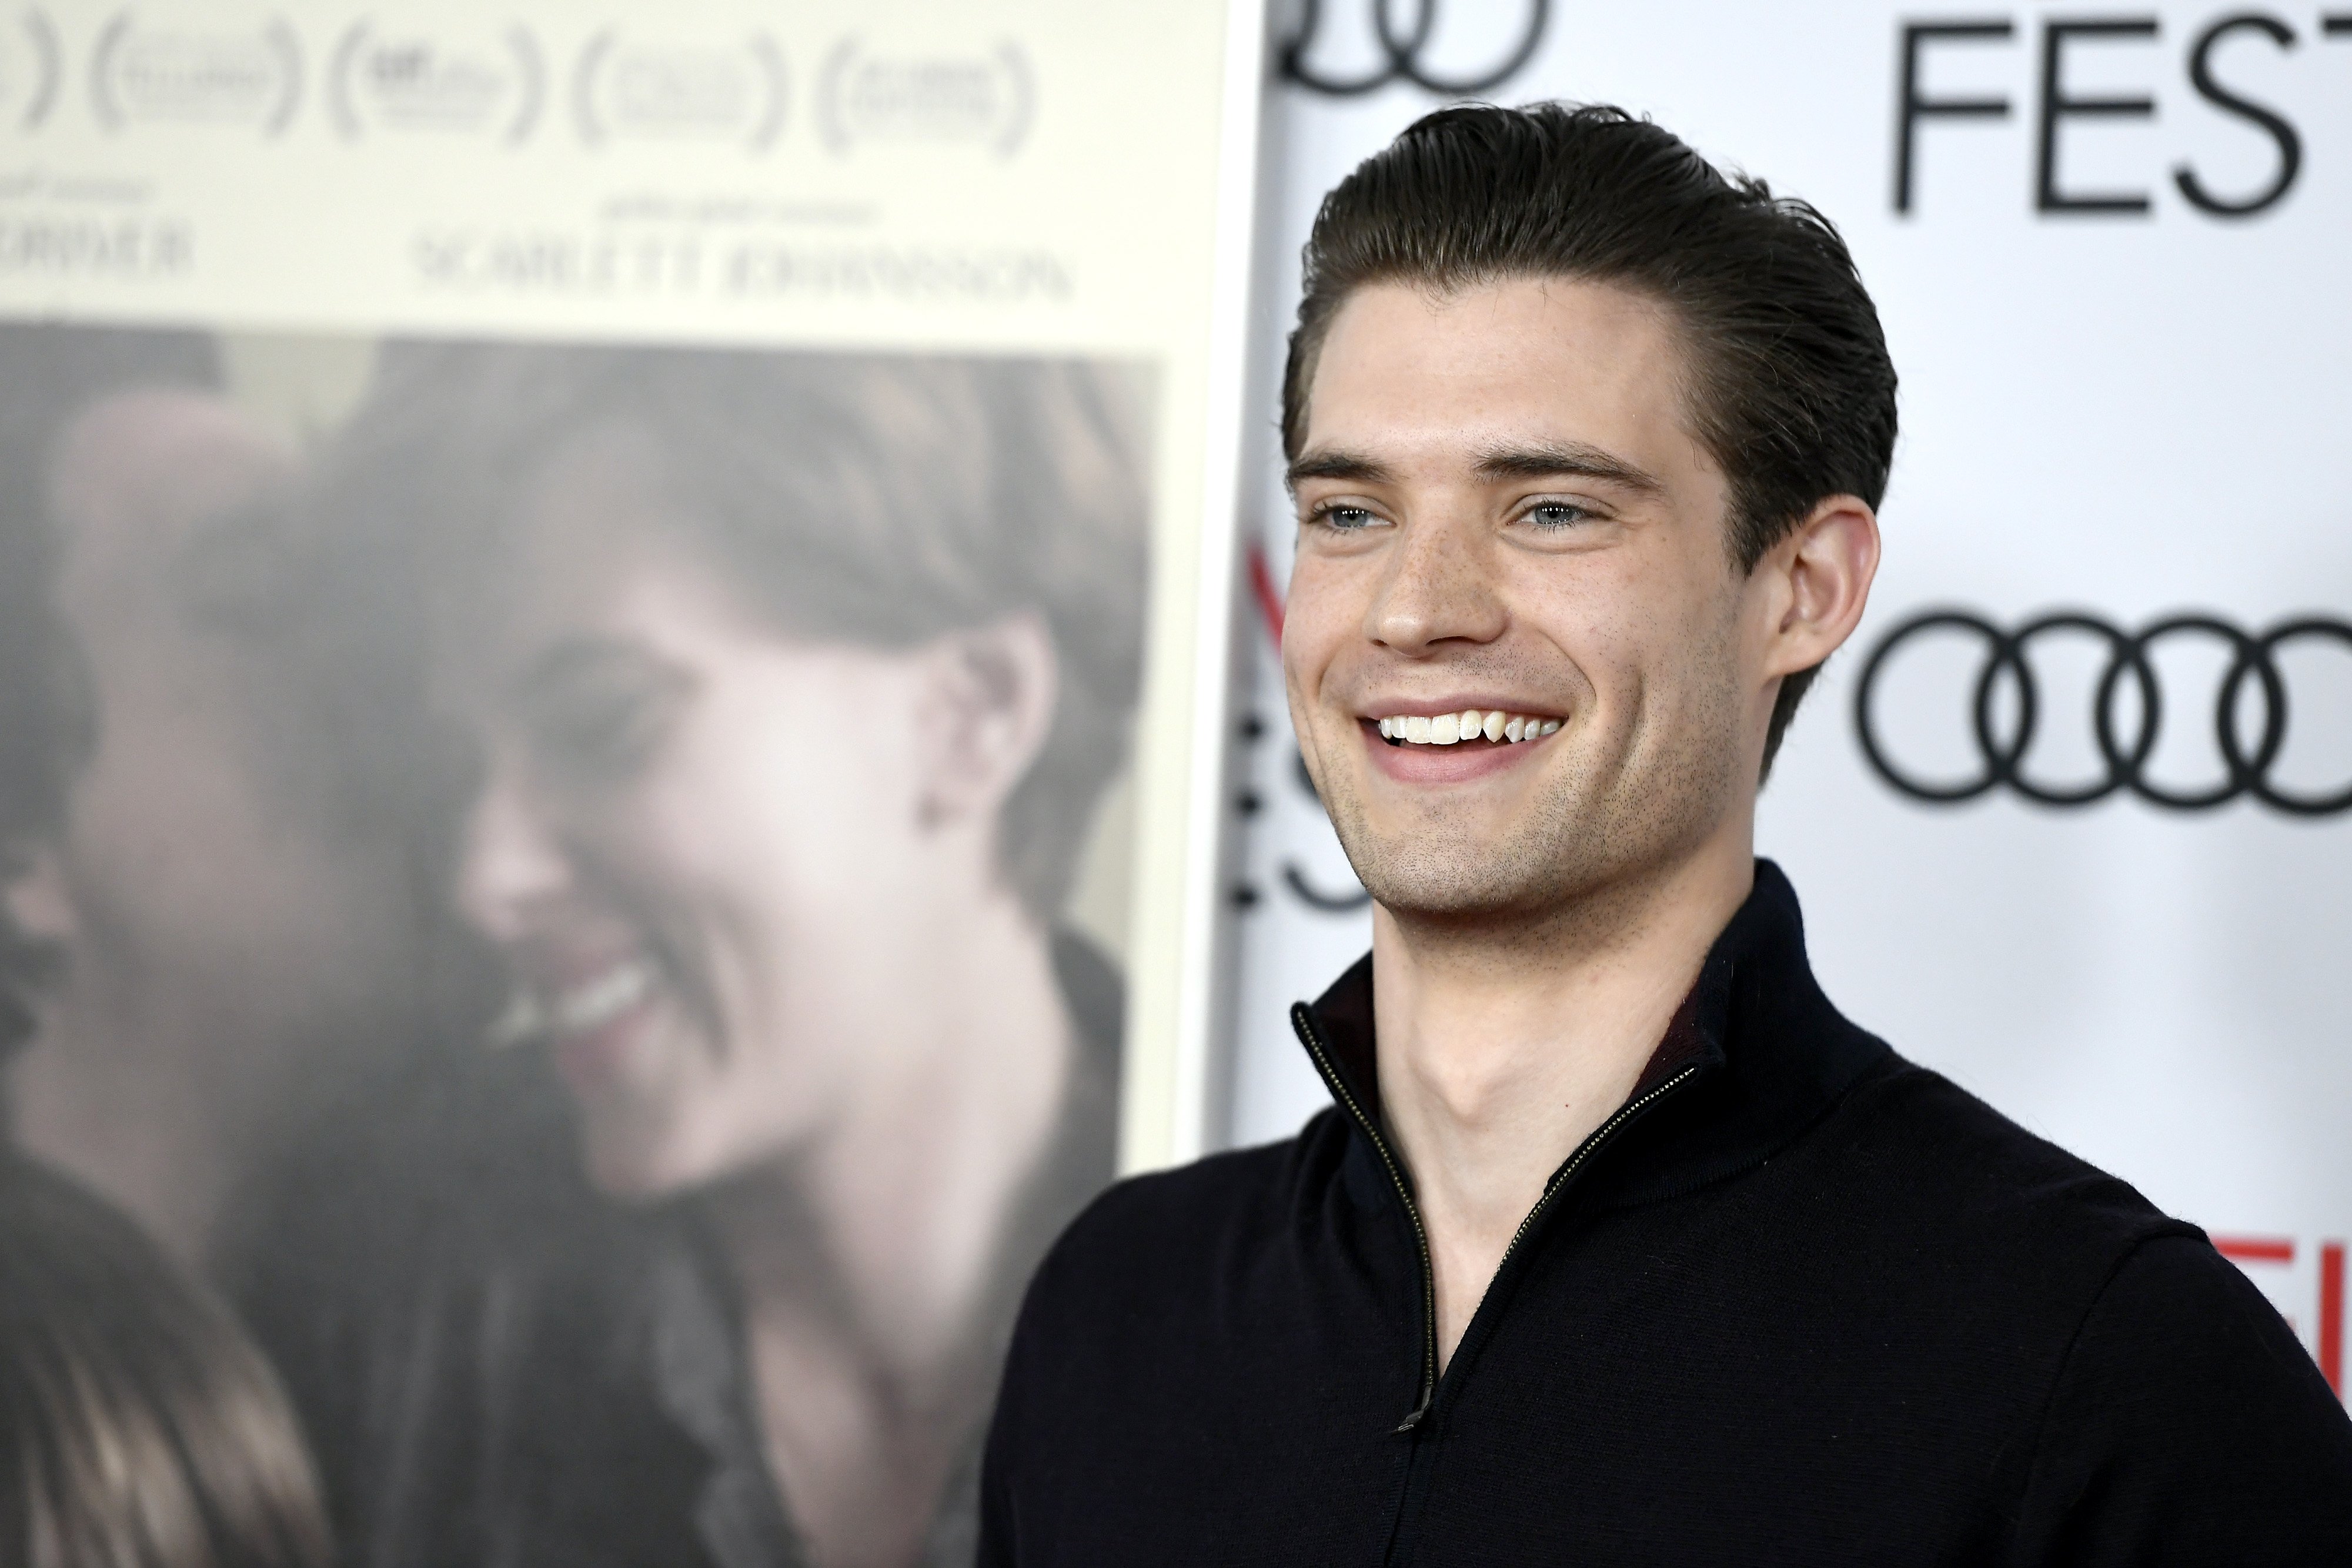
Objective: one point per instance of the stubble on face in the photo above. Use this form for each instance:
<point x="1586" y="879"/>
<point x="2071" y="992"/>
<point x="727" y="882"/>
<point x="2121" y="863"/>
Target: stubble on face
<point x="1619" y="800"/>
<point x="1629" y="630"/>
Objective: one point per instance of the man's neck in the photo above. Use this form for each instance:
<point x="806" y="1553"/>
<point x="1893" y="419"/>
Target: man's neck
<point x="1500" y="1050"/>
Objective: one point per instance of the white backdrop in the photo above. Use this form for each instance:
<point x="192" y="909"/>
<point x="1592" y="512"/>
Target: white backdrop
<point x="2126" y="411"/>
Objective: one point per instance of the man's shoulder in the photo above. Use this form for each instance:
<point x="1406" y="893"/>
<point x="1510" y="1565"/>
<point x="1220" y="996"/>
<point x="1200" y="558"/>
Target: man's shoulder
<point x="1918" y="1147"/>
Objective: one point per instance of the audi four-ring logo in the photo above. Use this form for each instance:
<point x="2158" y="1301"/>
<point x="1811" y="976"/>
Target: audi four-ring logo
<point x="1401" y="53"/>
<point x="2007" y="659"/>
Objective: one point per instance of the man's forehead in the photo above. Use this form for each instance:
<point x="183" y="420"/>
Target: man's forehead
<point x="1513" y="365"/>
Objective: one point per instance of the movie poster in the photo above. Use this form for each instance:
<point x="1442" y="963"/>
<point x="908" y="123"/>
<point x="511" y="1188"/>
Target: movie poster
<point x="608" y="626"/>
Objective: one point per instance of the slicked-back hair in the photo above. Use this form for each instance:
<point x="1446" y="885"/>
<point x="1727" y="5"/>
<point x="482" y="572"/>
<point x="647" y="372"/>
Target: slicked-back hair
<point x="1789" y="385"/>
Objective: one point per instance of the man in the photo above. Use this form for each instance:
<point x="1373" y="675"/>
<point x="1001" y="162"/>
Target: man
<point x="1619" y="1244"/>
<point x="204" y="933"/>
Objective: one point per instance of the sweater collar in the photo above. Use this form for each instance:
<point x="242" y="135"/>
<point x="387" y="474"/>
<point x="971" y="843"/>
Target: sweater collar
<point x="1773" y="1054"/>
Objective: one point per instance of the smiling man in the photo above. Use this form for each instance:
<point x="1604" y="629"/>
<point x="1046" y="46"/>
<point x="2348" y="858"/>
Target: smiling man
<point x="1618" y="1243"/>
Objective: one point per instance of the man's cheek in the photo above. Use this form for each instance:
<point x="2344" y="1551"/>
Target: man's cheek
<point x="1306" y="664"/>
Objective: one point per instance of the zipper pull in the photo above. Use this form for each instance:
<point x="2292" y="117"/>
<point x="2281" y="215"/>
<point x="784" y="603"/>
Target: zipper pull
<point x="1412" y="1420"/>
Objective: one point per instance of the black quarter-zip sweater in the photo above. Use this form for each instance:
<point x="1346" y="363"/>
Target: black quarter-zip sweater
<point x="1800" y="1302"/>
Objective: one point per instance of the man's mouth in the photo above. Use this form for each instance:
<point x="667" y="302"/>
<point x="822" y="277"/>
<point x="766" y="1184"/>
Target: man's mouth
<point x="1493" y="725"/>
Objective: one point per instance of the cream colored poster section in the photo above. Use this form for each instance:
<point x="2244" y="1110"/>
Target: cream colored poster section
<point x="1037" y="179"/>
<point x="2109" y="243"/>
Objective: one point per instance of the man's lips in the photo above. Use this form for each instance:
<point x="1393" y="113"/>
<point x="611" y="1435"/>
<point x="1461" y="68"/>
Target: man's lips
<point x="1467" y="724"/>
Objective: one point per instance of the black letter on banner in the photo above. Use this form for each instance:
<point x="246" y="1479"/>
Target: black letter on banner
<point x="2290" y="145"/>
<point x="2337" y="25"/>
<point x="1912" y="109"/>
<point x="2055" y="104"/>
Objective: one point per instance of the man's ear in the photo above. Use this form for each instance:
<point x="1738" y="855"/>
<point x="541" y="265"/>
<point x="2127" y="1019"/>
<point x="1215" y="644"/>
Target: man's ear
<point x="33" y="894"/>
<point x="987" y="704"/>
<point x="1820" y="577"/>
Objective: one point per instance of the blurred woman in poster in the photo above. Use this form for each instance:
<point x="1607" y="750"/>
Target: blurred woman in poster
<point x="792" y="685"/>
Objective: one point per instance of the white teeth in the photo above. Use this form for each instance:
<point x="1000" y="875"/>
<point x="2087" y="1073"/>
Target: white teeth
<point x="520" y="1020"/>
<point x="597" y="1002"/>
<point x="1470" y="724"/>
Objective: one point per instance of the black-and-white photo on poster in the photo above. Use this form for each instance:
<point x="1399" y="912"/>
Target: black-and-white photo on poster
<point x="581" y="884"/>
<point x="613" y="662"/>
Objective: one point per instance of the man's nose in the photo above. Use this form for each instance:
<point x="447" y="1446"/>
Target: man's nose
<point x="1439" y="588"/>
<point x="511" y="858"/>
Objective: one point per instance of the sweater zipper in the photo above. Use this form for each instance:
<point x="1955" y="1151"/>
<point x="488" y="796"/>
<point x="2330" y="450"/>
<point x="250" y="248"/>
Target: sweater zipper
<point x="1559" y="1178"/>
<point x="1300" y="1020"/>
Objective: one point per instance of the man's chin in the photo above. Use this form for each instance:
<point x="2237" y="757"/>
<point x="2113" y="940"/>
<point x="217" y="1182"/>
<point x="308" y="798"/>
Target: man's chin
<point x="1464" y="885"/>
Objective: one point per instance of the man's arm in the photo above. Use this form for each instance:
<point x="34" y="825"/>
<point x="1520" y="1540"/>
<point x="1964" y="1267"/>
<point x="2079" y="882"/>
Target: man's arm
<point x="2188" y="1427"/>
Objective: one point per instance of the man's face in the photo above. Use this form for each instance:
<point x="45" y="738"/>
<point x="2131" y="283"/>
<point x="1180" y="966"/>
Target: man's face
<point x="1502" y="508"/>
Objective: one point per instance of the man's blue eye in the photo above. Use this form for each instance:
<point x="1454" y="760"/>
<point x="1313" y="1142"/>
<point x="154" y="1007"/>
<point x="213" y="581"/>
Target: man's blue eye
<point x="1347" y="517"/>
<point x="1556" y="515"/>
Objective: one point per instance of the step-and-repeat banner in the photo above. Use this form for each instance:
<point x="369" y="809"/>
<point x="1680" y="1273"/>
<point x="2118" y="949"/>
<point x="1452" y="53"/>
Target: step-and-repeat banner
<point x="612" y="640"/>
<point x="2072" y="816"/>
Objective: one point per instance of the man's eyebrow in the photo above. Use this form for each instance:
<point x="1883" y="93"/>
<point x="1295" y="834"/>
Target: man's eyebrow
<point x="1543" y="460"/>
<point x="1546" y="459"/>
<point x="1338" y="464"/>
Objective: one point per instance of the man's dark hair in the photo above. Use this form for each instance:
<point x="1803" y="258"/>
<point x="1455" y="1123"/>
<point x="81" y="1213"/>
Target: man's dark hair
<point x="1790" y="388"/>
